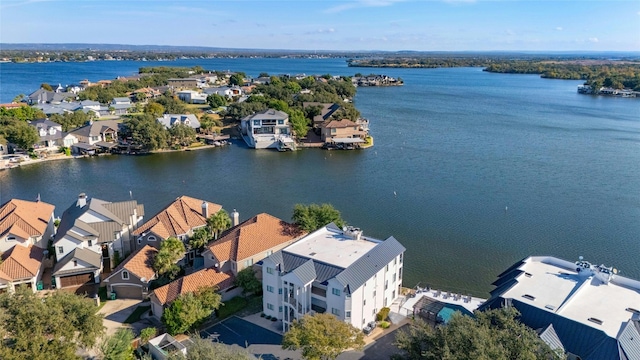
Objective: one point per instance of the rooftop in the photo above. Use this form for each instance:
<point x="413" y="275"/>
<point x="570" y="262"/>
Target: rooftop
<point x="25" y="218"/>
<point x="333" y="246"/>
<point x="555" y="285"/>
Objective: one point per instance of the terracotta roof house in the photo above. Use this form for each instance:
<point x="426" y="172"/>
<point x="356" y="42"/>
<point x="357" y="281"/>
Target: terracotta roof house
<point x="21" y="265"/>
<point x="25" y="223"/>
<point x="165" y="295"/>
<point x="249" y="242"/>
<point x="179" y="219"/>
<point x="130" y="280"/>
<point x="94" y="226"/>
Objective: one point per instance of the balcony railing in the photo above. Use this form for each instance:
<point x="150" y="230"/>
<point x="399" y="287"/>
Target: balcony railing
<point x="318" y="309"/>
<point x="318" y="291"/>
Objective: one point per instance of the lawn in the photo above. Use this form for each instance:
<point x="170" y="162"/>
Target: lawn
<point x="238" y="304"/>
<point x="136" y="314"/>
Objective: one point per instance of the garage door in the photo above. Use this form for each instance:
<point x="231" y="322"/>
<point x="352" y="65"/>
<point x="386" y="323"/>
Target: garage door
<point x="127" y="291"/>
<point x="75" y="280"/>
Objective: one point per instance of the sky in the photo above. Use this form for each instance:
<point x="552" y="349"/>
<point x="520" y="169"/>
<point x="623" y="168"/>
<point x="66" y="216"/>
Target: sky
<point x="345" y="25"/>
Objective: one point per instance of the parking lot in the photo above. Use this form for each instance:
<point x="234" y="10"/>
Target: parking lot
<point x="235" y="330"/>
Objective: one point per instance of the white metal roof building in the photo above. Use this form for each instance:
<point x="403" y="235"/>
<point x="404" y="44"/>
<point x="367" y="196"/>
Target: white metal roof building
<point x="333" y="270"/>
<point x="591" y="311"/>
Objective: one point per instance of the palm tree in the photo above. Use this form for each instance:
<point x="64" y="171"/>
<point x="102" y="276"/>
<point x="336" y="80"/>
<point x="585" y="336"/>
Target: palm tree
<point x="218" y="223"/>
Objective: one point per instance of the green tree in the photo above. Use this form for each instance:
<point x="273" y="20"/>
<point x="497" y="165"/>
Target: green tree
<point x="322" y="337"/>
<point x="202" y="349"/>
<point x="182" y="134"/>
<point x="22" y="134"/>
<point x="237" y="78"/>
<point x="171" y="250"/>
<point x="299" y="122"/>
<point x="118" y="346"/>
<point x="49" y="327"/>
<point x="216" y="100"/>
<point x="146" y="131"/>
<point x="494" y="334"/>
<point x="208" y="124"/>
<point x="190" y="309"/>
<point x="247" y="280"/>
<point x="154" y="109"/>
<point x="46" y="87"/>
<point x="18" y="98"/>
<point x="200" y="238"/>
<point x="218" y="222"/>
<point x="147" y="334"/>
<point x="313" y="217"/>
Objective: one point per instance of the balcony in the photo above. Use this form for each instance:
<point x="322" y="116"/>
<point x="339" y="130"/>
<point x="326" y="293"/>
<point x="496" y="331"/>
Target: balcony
<point x="318" y="291"/>
<point x="318" y="309"/>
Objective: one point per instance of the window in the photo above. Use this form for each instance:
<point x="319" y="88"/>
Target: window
<point x="125" y="275"/>
<point x="75" y="262"/>
<point x="280" y="291"/>
<point x="374" y="293"/>
<point x="270" y="306"/>
<point x="60" y="250"/>
<point x="387" y="268"/>
<point x="400" y="274"/>
<point x="139" y="241"/>
<point x="347" y="314"/>
<point x="280" y="122"/>
<point x="393" y="294"/>
<point x="400" y="258"/>
<point x="269" y="270"/>
<point x="90" y="243"/>
<point x="256" y="122"/>
<point x="333" y="130"/>
<point x="335" y="292"/>
<point x="279" y="308"/>
<point x="335" y="311"/>
<point x="270" y="288"/>
<point x="385" y="302"/>
<point x="364" y="302"/>
<point x="386" y="284"/>
<point x="395" y="261"/>
<point x="373" y="312"/>
<point x="11" y="238"/>
<point x="151" y="238"/>
<point x="393" y="278"/>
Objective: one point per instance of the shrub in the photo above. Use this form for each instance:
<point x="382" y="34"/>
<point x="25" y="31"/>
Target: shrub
<point x="383" y="314"/>
<point x="262" y="315"/>
<point x="274" y="319"/>
<point x="384" y="324"/>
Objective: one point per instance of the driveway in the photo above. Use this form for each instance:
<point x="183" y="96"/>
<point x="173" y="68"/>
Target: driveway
<point x="116" y="312"/>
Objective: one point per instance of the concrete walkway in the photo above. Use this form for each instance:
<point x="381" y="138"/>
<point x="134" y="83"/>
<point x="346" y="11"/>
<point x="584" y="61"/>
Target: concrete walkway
<point x="116" y="312"/>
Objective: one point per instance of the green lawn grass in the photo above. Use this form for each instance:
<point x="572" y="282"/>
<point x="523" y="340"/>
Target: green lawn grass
<point x="231" y="307"/>
<point x="136" y="314"/>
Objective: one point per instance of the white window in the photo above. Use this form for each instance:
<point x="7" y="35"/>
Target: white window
<point x="11" y="238"/>
<point x="348" y="314"/>
<point x="335" y="291"/>
<point x="60" y="250"/>
<point x="270" y="288"/>
<point x="280" y="291"/>
<point x="151" y="238"/>
<point x="125" y="275"/>
<point x="269" y="270"/>
<point x="270" y="306"/>
<point x="335" y="311"/>
<point x="90" y="243"/>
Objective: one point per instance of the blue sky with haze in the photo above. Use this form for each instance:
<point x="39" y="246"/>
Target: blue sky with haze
<point x="427" y="25"/>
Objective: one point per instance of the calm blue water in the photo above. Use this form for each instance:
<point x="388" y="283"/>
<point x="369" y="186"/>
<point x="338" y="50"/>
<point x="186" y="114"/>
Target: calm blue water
<point x="457" y="146"/>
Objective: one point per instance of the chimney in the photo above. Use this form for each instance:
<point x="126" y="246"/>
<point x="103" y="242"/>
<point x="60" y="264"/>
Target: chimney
<point x="205" y="209"/>
<point x="82" y="200"/>
<point x="235" y="218"/>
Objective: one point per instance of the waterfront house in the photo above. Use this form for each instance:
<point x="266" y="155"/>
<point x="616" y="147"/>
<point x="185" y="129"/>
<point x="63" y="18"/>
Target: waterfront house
<point x="266" y="129"/>
<point x="147" y="93"/>
<point x="179" y="219"/>
<point x="25" y="223"/>
<point x="170" y="120"/>
<point x="42" y="96"/>
<point x="183" y="83"/>
<point x="21" y="266"/>
<point x="342" y="132"/>
<point x="92" y="235"/>
<point x="226" y="91"/>
<point x="249" y="242"/>
<point x="163" y="296"/>
<point x="103" y="134"/>
<point x="51" y="135"/>
<point x="131" y="278"/>
<point x="333" y="270"/>
<point x="588" y="312"/>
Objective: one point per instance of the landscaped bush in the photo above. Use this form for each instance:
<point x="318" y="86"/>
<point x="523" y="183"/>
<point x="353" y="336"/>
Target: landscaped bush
<point x="384" y="324"/>
<point x="274" y="319"/>
<point x="262" y="315"/>
<point x="383" y="314"/>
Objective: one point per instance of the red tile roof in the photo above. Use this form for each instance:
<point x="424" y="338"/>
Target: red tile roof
<point x="260" y="233"/>
<point x="140" y="263"/>
<point x="178" y="218"/>
<point x="344" y="123"/>
<point x="191" y="283"/>
<point x="25" y="218"/>
<point x="21" y="262"/>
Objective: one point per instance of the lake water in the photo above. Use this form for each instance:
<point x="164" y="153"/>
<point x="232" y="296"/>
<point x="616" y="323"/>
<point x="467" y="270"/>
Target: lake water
<point x="486" y="168"/>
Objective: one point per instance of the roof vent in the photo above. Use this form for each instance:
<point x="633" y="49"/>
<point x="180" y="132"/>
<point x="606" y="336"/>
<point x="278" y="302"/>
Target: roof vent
<point x="528" y="274"/>
<point x="550" y="307"/>
<point x="313" y="254"/>
<point x="529" y="297"/>
<point x="595" y="321"/>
